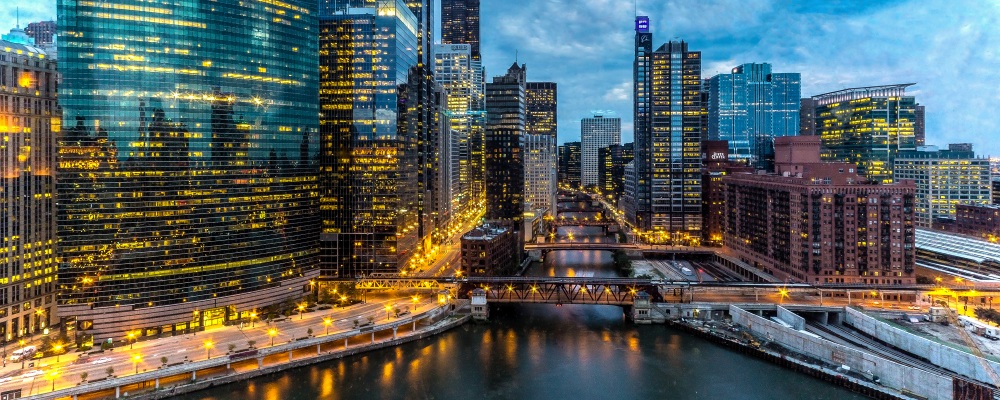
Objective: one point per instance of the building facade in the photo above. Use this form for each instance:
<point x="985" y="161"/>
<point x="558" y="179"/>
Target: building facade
<point x="815" y="222"/>
<point x="368" y="180"/>
<point x="996" y="189"/>
<point x="807" y="117"/>
<point x="460" y="24"/>
<point x="541" y="154"/>
<point x="944" y="179"/>
<point x="749" y="107"/>
<point x="454" y="70"/>
<point x="43" y="32"/>
<point x="980" y="220"/>
<point x="637" y="200"/>
<point x="596" y="132"/>
<point x="187" y="178"/>
<point x="867" y="126"/>
<point x="506" y="99"/>
<point x="569" y="164"/>
<point x="489" y="250"/>
<point x="611" y="163"/>
<point x="29" y="125"/>
<point x="715" y="166"/>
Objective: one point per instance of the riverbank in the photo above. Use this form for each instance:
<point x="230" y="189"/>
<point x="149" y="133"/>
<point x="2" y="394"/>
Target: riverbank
<point x="793" y="363"/>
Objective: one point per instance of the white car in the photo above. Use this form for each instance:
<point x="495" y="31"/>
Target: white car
<point x="33" y="373"/>
<point x="101" y="360"/>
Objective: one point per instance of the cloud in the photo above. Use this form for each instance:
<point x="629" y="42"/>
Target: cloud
<point x="947" y="47"/>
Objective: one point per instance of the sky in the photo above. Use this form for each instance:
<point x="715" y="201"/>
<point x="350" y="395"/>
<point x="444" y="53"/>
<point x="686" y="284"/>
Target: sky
<point x="949" y="48"/>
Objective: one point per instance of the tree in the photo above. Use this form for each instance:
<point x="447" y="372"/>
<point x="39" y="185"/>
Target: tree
<point x="250" y="343"/>
<point x="371" y="319"/>
<point x="231" y="347"/>
<point x="309" y="332"/>
<point x="83" y="377"/>
<point x="110" y="371"/>
<point x="356" y="323"/>
<point x="164" y="360"/>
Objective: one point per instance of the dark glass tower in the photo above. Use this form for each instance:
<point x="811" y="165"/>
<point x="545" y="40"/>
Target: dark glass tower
<point x="460" y="23"/>
<point x="186" y="178"/>
<point x="368" y="173"/>
<point x="505" y="128"/>
<point x="637" y="203"/>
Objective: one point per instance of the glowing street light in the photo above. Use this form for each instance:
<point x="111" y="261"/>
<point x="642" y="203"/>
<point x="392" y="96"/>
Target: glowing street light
<point x="135" y="360"/>
<point x="52" y="377"/>
<point x="58" y="348"/>
<point x="131" y="340"/>
<point x="302" y="307"/>
<point x="387" y="310"/>
<point x="272" y="333"/>
<point x="208" y="349"/>
<point x="253" y="314"/>
<point x="327" y="321"/>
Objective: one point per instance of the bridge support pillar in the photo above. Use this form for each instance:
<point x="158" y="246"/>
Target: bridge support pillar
<point x="194" y="375"/>
<point x="317" y="349"/>
<point x="414" y="328"/>
<point x="373" y="337"/>
<point x="394" y="329"/>
<point x="118" y="392"/>
<point x="260" y="363"/>
<point x="156" y="384"/>
<point x="345" y="343"/>
<point x="289" y="356"/>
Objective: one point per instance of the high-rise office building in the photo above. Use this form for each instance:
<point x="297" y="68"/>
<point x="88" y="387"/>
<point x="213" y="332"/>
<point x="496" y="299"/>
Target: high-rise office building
<point x="43" y="32"/>
<point x="368" y="178"/>
<point x="807" y="116"/>
<point x="569" y="164"/>
<point x="29" y="124"/>
<point x="919" y="132"/>
<point x="505" y="130"/>
<point x="867" y="126"/>
<point x="453" y="70"/>
<point x="944" y="179"/>
<point x="820" y="222"/>
<point x="664" y="192"/>
<point x="540" y="153"/>
<point x="596" y="132"/>
<point x="186" y="175"/>
<point x="749" y="107"/>
<point x="611" y="163"/>
<point x="460" y="24"/>
<point x="996" y="190"/>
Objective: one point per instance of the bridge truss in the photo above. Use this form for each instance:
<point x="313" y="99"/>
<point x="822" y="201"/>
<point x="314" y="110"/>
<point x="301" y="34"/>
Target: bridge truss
<point x="609" y="291"/>
<point x="382" y="281"/>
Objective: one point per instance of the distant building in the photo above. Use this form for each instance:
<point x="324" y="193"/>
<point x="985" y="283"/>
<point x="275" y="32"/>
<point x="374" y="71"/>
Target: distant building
<point x="867" y="126"/>
<point x="43" y="32"/>
<point x="811" y="221"/>
<point x="28" y="127"/>
<point x="749" y="107"/>
<point x="715" y="166"/>
<point x="919" y="132"/>
<point x="996" y="190"/>
<point x="807" y="117"/>
<point x="596" y="132"/>
<point x="980" y="220"/>
<point x="541" y="153"/>
<point x="505" y="131"/>
<point x="569" y="164"/>
<point x="944" y="179"/>
<point x="611" y="169"/>
<point x="460" y="24"/>
<point x="489" y="250"/>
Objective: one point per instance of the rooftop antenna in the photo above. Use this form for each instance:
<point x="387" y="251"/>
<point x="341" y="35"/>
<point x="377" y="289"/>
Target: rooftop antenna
<point x="515" y="56"/>
<point x="18" y="17"/>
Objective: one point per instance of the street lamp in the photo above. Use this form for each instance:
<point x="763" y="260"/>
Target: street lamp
<point x="253" y="315"/>
<point x="58" y="348"/>
<point x="302" y="307"/>
<point x="327" y="322"/>
<point x="52" y="376"/>
<point x="131" y="339"/>
<point x="135" y="360"/>
<point x="22" y="343"/>
<point x="208" y="349"/>
<point x="387" y="309"/>
<point x="272" y="332"/>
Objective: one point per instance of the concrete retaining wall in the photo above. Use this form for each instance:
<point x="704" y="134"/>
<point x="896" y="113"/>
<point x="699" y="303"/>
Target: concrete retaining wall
<point x="791" y="318"/>
<point x="959" y="361"/>
<point x="893" y="375"/>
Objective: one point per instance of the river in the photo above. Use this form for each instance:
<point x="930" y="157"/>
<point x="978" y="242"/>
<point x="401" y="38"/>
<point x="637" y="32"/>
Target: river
<point x="543" y="352"/>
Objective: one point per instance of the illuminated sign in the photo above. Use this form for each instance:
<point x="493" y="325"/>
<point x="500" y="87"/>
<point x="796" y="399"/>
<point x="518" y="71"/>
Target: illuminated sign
<point x="642" y="24"/>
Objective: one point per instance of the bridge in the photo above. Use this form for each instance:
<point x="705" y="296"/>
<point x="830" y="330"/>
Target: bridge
<point x="581" y="246"/>
<point x="559" y="290"/>
<point x="581" y="222"/>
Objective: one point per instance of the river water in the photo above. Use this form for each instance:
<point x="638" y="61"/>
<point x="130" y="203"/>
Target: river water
<point x="543" y="351"/>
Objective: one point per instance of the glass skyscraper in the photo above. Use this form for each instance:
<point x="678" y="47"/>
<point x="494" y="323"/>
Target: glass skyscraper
<point x="369" y="178"/>
<point x="751" y="106"/>
<point x="867" y="126"/>
<point x="540" y="153"/>
<point x="460" y="24"/>
<point x="187" y="181"/>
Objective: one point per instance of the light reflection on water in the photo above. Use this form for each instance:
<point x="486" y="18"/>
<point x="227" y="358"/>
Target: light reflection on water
<point x="540" y="351"/>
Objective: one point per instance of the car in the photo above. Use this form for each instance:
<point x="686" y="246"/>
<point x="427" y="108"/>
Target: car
<point x="101" y="360"/>
<point x="33" y="373"/>
<point x="915" y="307"/>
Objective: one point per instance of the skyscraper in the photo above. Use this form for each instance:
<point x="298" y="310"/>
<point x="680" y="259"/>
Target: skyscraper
<point x="867" y="126"/>
<point x="749" y="107"/>
<point x="29" y="124"/>
<point x="637" y="200"/>
<point x="944" y="179"/>
<point x="540" y="153"/>
<point x="187" y="179"/>
<point x="919" y="132"/>
<point x="569" y="164"/>
<point x="596" y="132"/>
<point x="43" y="31"/>
<point x="505" y="131"/>
<point x="453" y="69"/>
<point x="460" y="24"/>
<point x="807" y="117"/>
<point x="368" y="179"/>
<point x="611" y="163"/>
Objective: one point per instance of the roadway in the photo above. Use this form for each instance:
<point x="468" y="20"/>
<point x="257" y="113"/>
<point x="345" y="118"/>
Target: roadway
<point x="191" y="347"/>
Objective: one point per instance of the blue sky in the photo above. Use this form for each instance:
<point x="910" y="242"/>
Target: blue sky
<point x="951" y="49"/>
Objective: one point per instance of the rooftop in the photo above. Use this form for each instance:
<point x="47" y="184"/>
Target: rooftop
<point x="950" y="244"/>
<point x="894" y="90"/>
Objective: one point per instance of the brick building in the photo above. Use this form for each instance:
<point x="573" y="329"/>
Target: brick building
<point x="819" y="222"/>
<point x="489" y="250"/>
<point x="979" y="220"/>
<point x="715" y="166"/>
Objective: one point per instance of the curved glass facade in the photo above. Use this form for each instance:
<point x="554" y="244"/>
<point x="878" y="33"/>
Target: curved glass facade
<point x="187" y="169"/>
